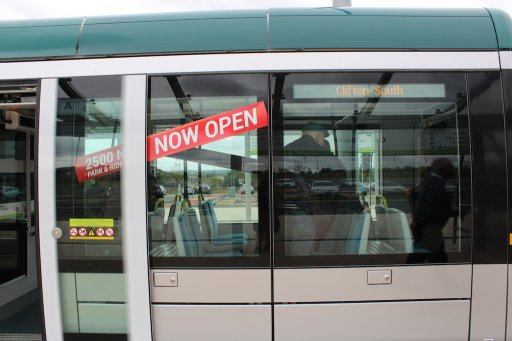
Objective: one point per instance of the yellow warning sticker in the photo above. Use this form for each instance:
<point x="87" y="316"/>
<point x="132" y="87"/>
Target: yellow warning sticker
<point x="91" y="222"/>
<point x="510" y="239"/>
<point x="91" y="229"/>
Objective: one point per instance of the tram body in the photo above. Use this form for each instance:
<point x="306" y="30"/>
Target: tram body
<point x="149" y="191"/>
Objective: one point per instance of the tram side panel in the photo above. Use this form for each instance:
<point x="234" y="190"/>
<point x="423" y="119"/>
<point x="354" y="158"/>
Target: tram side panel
<point x="506" y="58"/>
<point x="349" y="259"/>
<point x="489" y="290"/>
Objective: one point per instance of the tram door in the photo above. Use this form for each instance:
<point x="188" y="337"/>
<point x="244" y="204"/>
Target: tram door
<point x="19" y="292"/>
<point x="371" y="194"/>
<point x="207" y="207"/>
<point x="82" y="230"/>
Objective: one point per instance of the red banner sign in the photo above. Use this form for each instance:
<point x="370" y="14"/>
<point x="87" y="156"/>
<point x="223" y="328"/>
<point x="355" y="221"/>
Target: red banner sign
<point x="98" y="164"/>
<point x="175" y="140"/>
<point x="206" y="130"/>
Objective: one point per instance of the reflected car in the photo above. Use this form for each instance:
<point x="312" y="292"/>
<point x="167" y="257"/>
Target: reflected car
<point x="242" y="189"/>
<point x="351" y="186"/>
<point x="324" y="186"/>
<point x="287" y="183"/>
<point x="9" y="192"/>
<point x="162" y="189"/>
<point x="190" y="190"/>
<point x="206" y="189"/>
<point x="390" y="186"/>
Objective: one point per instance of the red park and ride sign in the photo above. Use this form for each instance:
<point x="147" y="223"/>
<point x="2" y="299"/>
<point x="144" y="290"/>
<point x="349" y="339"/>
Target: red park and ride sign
<point x="230" y="123"/>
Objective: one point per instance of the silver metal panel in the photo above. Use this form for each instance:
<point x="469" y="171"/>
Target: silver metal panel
<point x="212" y="322"/>
<point x="254" y="62"/>
<point x="489" y="302"/>
<point x="351" y="284"/>
<point x="393" y="321"/>
<point x="135" y="256"/>
<point x="506" y="59"/>
<point x="215" y="286"/>
<point x="50" y="287"/>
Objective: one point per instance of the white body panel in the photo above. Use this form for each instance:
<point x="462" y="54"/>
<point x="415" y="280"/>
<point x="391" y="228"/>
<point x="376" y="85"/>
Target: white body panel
<point x="212" y="322"/>
<point x="135" y="255"/>
<point x="351" y="284"/>
<point x="215" y="286"/>
<point x="50" y="286"/>
<point x="255" y="62"/>
<point x="393" y="321"/>
<point x="506" y="59"/>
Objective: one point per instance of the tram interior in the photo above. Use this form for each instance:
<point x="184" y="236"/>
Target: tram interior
<point x="205" y="201"/>
<point x="19" y="293"/>
<point x="386" y="150"/>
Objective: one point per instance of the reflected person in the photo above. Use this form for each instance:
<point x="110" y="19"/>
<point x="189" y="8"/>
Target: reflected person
<point x="96" y="197"/>
<point x="310" y="159"/>
<point x="433" y="209"/>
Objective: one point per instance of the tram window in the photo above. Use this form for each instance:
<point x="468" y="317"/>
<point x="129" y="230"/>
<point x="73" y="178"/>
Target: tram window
<point x="88" y="182"/>
<point x="207" y="205"/>
<point x="371" y="168"/>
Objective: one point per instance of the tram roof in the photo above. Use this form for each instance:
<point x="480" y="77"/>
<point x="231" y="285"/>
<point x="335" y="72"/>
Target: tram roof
<point x="258" y="30"/>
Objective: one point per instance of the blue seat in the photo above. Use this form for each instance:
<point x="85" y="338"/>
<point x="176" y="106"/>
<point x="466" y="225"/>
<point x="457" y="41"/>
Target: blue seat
<point x="357" y="239"/>
<point x="186" y="241"/>
<point x="394" y="229"/>
<point x="191" y="240"/>
<point x="210" y="223"/>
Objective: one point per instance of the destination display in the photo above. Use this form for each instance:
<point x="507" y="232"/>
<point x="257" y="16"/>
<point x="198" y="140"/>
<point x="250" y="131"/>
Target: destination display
<point x="305" y="91"/>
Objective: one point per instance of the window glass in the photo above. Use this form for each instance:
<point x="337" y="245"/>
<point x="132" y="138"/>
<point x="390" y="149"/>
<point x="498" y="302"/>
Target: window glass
<point x="207" y="189"/>
<point x="13" y="207"/>
<point x="371" y="168"/>
<point x="88" y="176"/>
<point x="88" y="207"/>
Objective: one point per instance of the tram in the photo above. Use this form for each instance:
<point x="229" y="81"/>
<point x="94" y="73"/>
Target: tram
<point x="281" y="174"/>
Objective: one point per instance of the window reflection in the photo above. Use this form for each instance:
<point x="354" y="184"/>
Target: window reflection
<point x="357" y="168"/>
<point x="88" y="127"/>
<point x="204" y="202"/>
<point x="13" y="207"/>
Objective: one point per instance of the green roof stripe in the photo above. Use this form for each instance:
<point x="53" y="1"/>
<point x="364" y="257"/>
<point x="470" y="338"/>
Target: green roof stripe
<point x="174" y="33"/>
<point x="258" y="30"/>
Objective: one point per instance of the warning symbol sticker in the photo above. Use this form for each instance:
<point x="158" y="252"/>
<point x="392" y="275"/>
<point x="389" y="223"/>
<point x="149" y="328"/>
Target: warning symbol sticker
<point x="91" y="229"/>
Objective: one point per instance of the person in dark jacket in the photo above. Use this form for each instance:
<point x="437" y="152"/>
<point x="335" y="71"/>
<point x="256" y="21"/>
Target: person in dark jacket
<point x="309" y="159"/>
<point x="97" y="196"/>
<point x="433" y="209"/>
